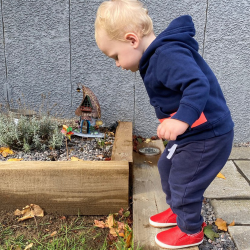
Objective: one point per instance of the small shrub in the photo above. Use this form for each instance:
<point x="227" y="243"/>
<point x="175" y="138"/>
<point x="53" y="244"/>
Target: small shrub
<point x="29" y="133"/>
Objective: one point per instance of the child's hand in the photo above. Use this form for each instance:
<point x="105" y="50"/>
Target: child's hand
<point x="169" y="129"/>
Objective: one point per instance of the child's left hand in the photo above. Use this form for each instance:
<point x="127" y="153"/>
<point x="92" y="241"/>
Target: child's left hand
<point x="169" y="129"/>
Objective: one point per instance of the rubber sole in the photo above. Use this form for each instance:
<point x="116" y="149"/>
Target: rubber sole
<point x="162" y="245"/>
<point x="157" y="224"/>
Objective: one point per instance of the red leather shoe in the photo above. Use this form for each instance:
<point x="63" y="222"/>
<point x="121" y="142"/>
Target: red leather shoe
<point x="175" y="238"/>
<point x="164" y="219"/>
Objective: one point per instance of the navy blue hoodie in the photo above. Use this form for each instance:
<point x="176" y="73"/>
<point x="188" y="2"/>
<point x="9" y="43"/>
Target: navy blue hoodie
<point x="178" y="80"/>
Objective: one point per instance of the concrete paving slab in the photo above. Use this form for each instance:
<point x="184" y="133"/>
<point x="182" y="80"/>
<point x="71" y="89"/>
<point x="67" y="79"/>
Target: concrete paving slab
<point x="234" y="186"/>
<point x="244" y="167"/>
<point x="232" y="210"/>
<point x="241" y="236"/>
<point x="240" y="153"/>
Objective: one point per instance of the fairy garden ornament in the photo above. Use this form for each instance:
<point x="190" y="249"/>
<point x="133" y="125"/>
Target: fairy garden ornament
<point x="89" y="112"/>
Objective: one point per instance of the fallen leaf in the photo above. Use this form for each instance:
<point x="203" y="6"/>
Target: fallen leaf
<point x="139" y="140"/>
<point x="107" y="159"/>
<point x="18" y="212"/>
<point x="99" y="223"/>
<point x="6" y="151"/>
<point x="108" y="143"/>
<point x="111" y="134"/>
<point x="15" y="159"/>
<point x="30" y="211"/>
<point x="128" y="240"/>
<point x="232" y="224"/>
<point x="36" y="210"/>
<point x="220" y="175"/>
<point x="53" y="234"/>
<point x="29" y="246"/>
<point x="73" y="158"/>
<point x="120" y="212"/>
<point x="99" y="156"/>
<point x="208" y="231"/>
<point x="221" y="224"/>
<point x="122" y="233"/>
<point x="110" y="221"/>
<point x="126" y="214"/>
<point x="113" y="232"/>
<point x="63" y="218"/>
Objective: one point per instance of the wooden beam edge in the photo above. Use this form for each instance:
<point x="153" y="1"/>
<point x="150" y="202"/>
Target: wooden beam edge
<point x="123" y="144"/>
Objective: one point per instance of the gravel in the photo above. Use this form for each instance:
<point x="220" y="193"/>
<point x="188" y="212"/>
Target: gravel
<point x="224" y="241"/>
<point x="88" y="149"/>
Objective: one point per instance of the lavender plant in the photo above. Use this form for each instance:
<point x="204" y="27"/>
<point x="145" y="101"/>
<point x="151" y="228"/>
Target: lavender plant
<point x="29" y="133"/>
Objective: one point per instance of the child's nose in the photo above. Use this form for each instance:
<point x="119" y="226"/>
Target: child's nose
<point x="117" y="64"/>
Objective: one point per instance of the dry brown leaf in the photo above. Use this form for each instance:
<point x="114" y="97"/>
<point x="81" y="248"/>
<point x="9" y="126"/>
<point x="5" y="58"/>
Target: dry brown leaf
<point x="29" y="246"/>
<point x="37" y="211"/>
<point x="18" y="212"/>
<point x="73" y="158"/>
<point x="121" y="225"/>
<point x="99" y="223"/>
<point x="108" y="143"/>
<point x="122" y="233"/>
<point x="6" y="151"/>
<point x="110" y="221"/>
<point x="221" y="224"/>
<point x="220" y="175"/>
<point x="30" y="211"/>
<point x="111" y="134"/>
<point x="15" y="159"/>
<point x="113" y="231"/>
<point x="53" y="234"/>
<point x="128" y="240"/>
<point x="232" y="224"/>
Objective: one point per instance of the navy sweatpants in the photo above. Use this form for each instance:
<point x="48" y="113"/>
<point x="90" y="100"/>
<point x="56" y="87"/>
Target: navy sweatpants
<point x="188" y="173"/>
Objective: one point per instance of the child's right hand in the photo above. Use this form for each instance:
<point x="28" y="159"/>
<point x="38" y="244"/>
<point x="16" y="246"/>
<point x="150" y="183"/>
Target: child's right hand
<point x="169" y="129"/>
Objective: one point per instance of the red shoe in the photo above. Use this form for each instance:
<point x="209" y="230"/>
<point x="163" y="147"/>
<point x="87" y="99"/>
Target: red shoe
<point x="175" y="238"/>
<point x="163" y="219"/>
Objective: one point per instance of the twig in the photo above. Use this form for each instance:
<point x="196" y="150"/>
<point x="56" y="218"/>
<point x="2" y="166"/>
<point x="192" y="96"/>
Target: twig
<point x="67" y="149"/>
<point x="36" y="224"/>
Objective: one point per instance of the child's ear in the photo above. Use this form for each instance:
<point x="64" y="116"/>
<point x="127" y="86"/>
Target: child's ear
<point x="133" y="39"/>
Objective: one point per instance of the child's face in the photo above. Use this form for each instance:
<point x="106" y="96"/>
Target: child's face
<point x="127" y="54"/>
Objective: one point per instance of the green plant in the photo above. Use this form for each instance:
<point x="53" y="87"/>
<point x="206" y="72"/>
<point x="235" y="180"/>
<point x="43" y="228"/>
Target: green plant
<point x="28" y="133"/>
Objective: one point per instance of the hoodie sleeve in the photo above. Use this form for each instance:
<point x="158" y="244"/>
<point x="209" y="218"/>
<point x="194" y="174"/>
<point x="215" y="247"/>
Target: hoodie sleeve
<point x="177" y="70"/>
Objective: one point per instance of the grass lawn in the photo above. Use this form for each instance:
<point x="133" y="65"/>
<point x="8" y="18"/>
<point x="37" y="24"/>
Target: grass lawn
<point x="60" y="232"/>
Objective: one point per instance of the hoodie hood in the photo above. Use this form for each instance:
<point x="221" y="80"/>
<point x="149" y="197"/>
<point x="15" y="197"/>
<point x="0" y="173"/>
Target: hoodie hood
<point x="179" y="30"/>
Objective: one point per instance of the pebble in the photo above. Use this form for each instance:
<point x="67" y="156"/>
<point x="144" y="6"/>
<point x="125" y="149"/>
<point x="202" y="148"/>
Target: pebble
<point x="224" y="242"/>
<point x="82" y="148"/>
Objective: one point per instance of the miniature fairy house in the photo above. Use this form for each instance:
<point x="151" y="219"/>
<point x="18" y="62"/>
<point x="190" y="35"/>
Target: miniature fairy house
<point x="88" y="111"/>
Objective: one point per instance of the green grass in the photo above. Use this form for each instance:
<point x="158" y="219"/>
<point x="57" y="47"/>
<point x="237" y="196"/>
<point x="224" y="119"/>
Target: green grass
<point x="72" y="235"/>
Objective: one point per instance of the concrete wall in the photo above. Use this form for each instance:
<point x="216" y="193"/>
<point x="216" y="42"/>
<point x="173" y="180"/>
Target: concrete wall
<point x="48" y="47"/>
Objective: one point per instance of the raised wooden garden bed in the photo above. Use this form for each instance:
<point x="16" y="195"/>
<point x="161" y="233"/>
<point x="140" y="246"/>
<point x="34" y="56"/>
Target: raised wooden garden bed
<point x="71" y="188"/>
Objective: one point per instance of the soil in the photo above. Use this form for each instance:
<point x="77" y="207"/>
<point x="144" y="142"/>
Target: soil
<point x="41" y="226"/>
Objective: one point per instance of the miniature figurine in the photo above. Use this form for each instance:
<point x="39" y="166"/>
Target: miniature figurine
<point x="89" y="112"/>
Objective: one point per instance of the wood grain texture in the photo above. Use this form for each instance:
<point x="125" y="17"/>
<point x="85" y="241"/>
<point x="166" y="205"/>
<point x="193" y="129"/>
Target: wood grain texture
<point x="87" y="188"/>
<point x="123" y="144"/>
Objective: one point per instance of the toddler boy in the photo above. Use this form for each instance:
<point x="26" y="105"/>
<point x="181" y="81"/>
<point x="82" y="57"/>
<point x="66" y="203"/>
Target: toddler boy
<point x="188" y="102"/>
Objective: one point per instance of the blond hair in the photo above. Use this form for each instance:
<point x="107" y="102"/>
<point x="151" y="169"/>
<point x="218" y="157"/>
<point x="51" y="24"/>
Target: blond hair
<point x="118" y="17"/>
